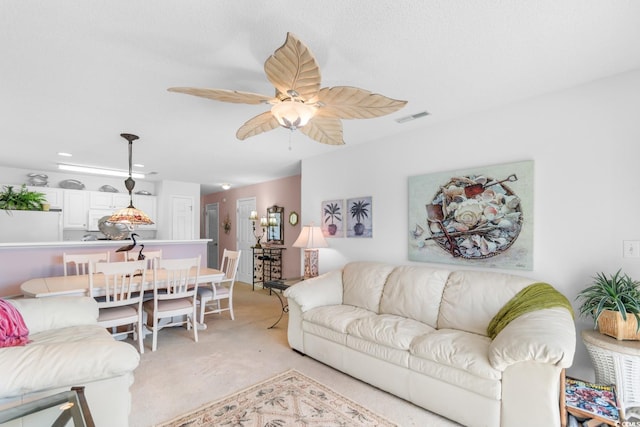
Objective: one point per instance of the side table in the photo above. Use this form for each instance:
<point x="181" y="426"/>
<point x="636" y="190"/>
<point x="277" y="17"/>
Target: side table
<point x="68" y="408"/>
<point x="281" y="285"/>
<point x="617" y="362"/>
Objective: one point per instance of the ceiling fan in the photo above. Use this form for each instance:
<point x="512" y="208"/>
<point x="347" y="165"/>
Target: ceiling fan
<point x="299" y="102"/>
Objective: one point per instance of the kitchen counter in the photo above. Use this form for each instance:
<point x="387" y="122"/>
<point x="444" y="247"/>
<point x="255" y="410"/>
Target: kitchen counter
<point x="99" y="243"/>
<point x="20" y="262"/>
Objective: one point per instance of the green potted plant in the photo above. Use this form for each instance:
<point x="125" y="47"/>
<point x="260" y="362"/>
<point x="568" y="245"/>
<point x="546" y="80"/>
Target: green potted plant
<point x="613" y="302"/>
<point x="359" y="211"/>
<point x="22" y="200"/>
<point x="332" y="212"/>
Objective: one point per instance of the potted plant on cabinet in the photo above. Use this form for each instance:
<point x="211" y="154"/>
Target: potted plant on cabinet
<point x="332" y="212"/>
<point x="23" y="200"/>
<point x="614" y="304"/>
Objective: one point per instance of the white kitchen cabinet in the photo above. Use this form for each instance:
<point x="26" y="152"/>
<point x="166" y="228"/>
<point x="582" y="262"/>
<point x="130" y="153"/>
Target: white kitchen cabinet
<point x="74" y="211"/>
<point x="106" y="200"/>
<point x="53" y="196"/>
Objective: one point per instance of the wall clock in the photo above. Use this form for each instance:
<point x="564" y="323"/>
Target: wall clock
<point x="293" y="218"/>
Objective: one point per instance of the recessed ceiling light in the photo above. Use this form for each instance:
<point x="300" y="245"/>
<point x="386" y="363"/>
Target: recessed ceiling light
<point x="225" y="186"/>
<point x="65" y="154"/>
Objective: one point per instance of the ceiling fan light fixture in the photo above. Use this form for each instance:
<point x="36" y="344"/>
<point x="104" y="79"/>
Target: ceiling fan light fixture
<point x="293" y="114"/>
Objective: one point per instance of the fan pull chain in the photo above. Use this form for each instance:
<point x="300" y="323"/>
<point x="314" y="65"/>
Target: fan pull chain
<point x="290" y="136"/>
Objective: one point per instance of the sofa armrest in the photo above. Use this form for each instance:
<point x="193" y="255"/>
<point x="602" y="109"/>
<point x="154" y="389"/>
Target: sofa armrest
<point x="325" y="289"/>
<point x="544" y="336"/>
<point x="41" y="314"/>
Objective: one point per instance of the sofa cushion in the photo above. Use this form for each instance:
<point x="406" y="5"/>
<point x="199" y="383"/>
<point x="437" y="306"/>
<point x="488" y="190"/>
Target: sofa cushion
<point x="472" y="298"/>
<point x="414" y="292"/>
<point x="363" y="283"/>
<point x="331" y="322"/>
<point x="457" y="349"/>
<point x="457" y="377"/>
<point x="335" y="317"/>
<point x="64" y="357"/>
<point x="379" y="351"/>
<point x="389" y="330"/>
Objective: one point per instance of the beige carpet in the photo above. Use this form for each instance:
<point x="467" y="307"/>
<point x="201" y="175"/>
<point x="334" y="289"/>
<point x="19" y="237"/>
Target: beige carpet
<point x="232" y="355"/>
<point x="288" y="399"/>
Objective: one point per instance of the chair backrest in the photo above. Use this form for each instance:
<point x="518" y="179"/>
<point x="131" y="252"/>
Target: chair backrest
<point x="230" y="261"/>
<point x="175" y="278"/>
<point x="82" y="261"/>
<point x="149" y="256"/>
<point x="121" y="283"/>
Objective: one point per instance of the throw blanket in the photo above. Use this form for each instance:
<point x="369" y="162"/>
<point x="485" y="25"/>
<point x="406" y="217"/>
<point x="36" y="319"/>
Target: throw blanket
<point x="13" y="330"/>
<point x="534" y="297"/>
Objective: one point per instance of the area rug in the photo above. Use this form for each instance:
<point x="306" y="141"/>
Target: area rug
<point x="288" y="399"/>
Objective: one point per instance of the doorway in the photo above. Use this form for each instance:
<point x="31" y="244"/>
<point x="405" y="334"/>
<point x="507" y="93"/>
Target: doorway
<point x="211" y="230"/>
<point x="245" y="238"/>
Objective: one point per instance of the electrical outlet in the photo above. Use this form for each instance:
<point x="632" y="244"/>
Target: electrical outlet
<point x="631" y="249"/>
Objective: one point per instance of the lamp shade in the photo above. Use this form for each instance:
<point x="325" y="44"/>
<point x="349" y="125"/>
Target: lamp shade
<point x="131" y="215"/>
<point x="310" y="238"/>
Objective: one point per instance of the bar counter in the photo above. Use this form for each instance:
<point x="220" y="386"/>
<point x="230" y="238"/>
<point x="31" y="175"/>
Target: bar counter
<point x="20" y="262"/>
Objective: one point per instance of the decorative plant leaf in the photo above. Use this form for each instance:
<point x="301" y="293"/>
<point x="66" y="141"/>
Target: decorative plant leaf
<point x="224" y="95"/>
<point x="293" y="67"/>
<point x="324" y="129"/>
<point x="347" y="102"/>
<point x="261" y="123"/>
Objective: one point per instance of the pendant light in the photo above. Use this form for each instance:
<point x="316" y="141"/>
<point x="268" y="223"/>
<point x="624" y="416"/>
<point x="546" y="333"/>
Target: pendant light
<point x="130" y="214"/>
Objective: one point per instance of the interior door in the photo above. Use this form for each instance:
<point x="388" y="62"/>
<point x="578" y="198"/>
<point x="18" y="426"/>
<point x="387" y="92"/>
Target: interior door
<point x="245" y="238"/>
<point x="182" y="218"/>
<point x="211" y="232"/>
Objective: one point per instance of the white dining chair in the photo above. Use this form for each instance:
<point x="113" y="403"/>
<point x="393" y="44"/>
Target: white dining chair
<point x="148" y="256"/>
<point x="81" y="261"/>
<point x="217" y="291"/>
<point x="175" y="286"/>
<point x="119" y="296"/>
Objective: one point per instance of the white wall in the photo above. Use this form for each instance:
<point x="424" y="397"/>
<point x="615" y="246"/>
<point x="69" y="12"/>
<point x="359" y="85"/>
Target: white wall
<point x="168" y="189"/>
<point x="585" y="144"/>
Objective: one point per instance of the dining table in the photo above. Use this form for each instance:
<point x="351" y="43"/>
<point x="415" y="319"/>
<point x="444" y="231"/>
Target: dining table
<point x="79" y="284"/>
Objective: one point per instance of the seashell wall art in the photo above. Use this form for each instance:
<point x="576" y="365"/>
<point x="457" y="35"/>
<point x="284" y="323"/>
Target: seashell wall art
<point x="480" y="216"/>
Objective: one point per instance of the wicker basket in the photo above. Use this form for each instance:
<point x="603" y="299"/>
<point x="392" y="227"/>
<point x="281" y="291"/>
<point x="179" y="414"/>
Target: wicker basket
<point x="611" y="323"/>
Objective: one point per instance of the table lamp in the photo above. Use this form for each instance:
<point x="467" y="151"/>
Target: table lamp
<point x="310" y="239"/>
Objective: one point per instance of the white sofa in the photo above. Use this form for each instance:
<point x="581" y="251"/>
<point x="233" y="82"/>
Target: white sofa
<point x="420" y="334"/>
<point x="68" y="349"/>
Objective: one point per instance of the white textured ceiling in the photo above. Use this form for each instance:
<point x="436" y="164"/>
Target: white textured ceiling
<point x="76" y="74"/>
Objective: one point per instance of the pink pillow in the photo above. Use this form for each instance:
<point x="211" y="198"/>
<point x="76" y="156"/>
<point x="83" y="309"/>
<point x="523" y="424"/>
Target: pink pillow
<point x="13" y="330"/>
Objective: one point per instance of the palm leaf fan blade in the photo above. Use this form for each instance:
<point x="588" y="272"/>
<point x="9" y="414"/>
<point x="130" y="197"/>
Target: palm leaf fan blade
<point x="349" y="102"/>
<point x="224" y="95"/>
<point x="293" y="67"/>
<point x="326" y="130"/>
<point x="259" y="124"/>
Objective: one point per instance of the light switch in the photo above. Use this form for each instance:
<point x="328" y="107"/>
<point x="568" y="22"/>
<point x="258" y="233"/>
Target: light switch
<point x="631" y="249"/>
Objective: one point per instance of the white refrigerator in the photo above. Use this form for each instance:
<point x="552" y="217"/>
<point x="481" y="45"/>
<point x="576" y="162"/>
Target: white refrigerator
<point x="30" y="226"/>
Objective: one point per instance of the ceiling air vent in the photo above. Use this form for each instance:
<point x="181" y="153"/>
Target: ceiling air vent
<point x="406" y="119"/>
